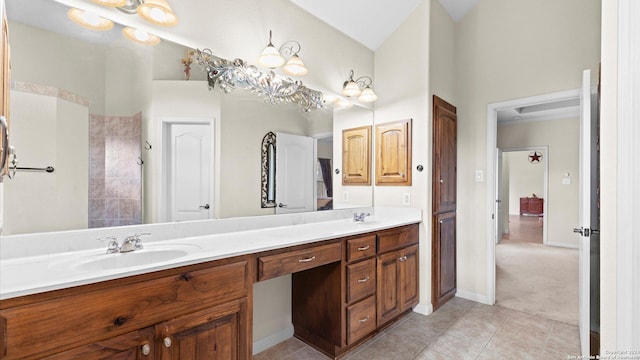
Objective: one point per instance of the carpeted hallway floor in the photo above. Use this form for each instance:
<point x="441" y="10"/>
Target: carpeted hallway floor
<point x="534" y="278"/>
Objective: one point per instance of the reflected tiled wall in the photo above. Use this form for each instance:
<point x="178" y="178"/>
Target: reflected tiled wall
<point x="115" y="184"/>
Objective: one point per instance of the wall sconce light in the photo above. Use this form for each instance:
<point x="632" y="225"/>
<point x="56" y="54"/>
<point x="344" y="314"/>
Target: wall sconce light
<point x="360" y="87"/>
<point x="274" y="58"/>
<point x="89" y="20"/>
<point x="157" y="12"/>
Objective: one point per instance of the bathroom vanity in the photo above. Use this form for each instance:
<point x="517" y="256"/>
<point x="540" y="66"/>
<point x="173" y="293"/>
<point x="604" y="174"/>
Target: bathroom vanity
<point x="349" y="280"/>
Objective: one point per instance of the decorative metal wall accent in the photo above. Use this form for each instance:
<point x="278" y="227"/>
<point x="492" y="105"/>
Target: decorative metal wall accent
<point x="229" y="75"/>
<point x="268" y="174"/>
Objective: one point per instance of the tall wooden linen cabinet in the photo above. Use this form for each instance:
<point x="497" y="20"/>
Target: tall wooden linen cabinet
<point x="443" y="281"/>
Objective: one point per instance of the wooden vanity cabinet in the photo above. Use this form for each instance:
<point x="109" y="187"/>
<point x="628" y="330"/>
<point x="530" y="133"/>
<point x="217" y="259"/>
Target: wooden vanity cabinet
<point x="193" y="312"/>
<point x="337" y="306"/>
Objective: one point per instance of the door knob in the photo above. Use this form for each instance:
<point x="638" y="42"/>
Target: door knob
<point x="205" y="206"/>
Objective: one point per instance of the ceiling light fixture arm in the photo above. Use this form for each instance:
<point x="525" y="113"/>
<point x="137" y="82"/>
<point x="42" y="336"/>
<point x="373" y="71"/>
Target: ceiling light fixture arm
<point x="363" y="81"/>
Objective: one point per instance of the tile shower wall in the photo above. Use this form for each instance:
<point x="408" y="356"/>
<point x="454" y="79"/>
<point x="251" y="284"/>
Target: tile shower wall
<point x="115" y="177"/>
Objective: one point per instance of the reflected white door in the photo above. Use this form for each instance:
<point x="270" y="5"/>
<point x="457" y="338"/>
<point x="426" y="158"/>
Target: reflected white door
<point x="188" y="172"/>
<point x="295" y="165"/>
<point x="586" y="202"/>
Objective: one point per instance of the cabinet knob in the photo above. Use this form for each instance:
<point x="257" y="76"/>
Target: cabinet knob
<point x="402" y="258"/>
<point x="441" y="181"/>
<point x="146" y="349"/>
<point x="167" y="342"/>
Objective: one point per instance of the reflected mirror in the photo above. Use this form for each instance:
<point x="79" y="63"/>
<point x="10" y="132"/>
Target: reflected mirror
<point x="94" y="105"/>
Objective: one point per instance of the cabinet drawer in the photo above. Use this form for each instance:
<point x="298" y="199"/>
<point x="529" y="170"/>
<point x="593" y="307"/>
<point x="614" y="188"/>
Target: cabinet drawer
<point x="397" y="238"/>
<point x="360" y="248"/>
<point x="271" y="266"/>
<point x="361" y="319"/>
<point x="361" y="279"/>
<point x="106" y="312"/>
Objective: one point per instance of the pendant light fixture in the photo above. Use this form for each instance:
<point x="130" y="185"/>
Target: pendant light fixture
<point x="360" y="87"/>
<point x="89" y="20"/>
<point x="158" y="12"/>
<point x="272" y="57"/>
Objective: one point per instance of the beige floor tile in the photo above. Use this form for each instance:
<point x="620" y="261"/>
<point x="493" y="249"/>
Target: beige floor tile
<point x="495" y="312"/>
<point x="283" y="349"/>
<point x="458" y="348"/>
<point x="428" y="354"/>
<point x="475" y="327"/>
<point x="553" y="355"/>
<point x="307" y="353"/>
<point x="506" y="347"/>
<point x="564" y="338"/>
<point x="532" y="328"/>
<point x="390" y="346"/>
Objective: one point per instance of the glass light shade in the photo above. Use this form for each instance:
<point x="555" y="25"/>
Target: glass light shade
<point x="111" y="3"/>
<point x="270" y="57"/>
<point x="343" y="104"/>
<point x="140" y="36"/>
<point x="350" y="88"/>
<point x="329" y="99"/>
<point x="89" y="20"/>
<point x="368" y="95"/>
<point x="295" y="67"/>
<point x="158" y="12"/>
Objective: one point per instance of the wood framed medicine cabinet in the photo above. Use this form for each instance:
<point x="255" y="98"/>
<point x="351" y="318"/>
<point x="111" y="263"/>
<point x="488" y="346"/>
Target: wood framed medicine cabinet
<point x="356" y="156"/>
<point x="393" y="153"/>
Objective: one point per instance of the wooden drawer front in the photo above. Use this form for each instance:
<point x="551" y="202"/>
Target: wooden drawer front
<point x="64" y="323"/>
<point x="361" y="279"/>
<point x="360" y="248"/>
<point x="361" y="319"/>
<point x="272" y="266"/>
<point x="397" y="238"/>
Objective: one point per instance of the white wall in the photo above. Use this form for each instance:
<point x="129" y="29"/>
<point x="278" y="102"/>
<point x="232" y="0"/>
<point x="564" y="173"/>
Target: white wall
<point x="525" y="178"/>
<point x="41" y="127"/>
<point x="561" y="137"/>
<point x="507" y="50"/>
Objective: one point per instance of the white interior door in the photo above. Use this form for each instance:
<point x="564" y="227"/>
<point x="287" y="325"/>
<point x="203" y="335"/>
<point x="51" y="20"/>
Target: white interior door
<point x="295" y="165"/>
<point x="189" y="164"/>
<point x="585" y="202"/>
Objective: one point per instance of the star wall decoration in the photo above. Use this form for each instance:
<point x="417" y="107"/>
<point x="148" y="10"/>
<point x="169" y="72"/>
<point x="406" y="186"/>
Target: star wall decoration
<point x="535" y="157"/>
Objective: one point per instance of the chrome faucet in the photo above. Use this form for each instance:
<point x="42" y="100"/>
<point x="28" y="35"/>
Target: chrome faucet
<point x="359" y="217"/>
<point x="132" y="242"/>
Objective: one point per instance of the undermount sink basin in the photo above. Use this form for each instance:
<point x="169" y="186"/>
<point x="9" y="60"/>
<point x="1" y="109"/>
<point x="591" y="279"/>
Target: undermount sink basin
<point x="148" y="255"/>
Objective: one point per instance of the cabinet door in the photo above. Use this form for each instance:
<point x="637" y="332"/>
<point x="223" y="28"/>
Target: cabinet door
<point x="137" y="345"/>
<point x="356" y="156"/>
<point x="211" y="334"/>
<point x="408" y="286"/>
<point x="393" y="153"/>
<point x="444" y="156"/>
<point x="387" y="291"/>
<point x="444" y="258"/>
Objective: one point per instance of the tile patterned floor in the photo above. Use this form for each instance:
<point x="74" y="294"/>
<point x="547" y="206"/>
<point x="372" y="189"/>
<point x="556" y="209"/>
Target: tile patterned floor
<point x="459" y="330"/>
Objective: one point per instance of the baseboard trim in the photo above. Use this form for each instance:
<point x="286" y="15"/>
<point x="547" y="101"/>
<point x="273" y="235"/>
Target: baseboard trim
<point x="424" y="309"/>
<point x="473" y="297"/>
<point x="564" y="245"/>
<point x="273" y="339"/>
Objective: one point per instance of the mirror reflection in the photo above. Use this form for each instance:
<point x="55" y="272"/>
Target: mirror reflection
<point x="104" y="111"/>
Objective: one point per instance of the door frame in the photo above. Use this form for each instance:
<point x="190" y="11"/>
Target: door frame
<point x="545" y="191"/>
<point x="492" y="141"/>
<point x="165" y="123"/>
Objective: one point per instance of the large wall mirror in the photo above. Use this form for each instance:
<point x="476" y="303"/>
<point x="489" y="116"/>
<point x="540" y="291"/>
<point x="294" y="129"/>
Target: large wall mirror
<point x="100" y="109"/>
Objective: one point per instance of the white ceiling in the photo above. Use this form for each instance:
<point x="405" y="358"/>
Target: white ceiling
<point x="371" y="22"/>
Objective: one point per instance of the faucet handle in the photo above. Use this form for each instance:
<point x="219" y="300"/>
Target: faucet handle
<point x="136" y="238"/>
<point x="112" y="245"/>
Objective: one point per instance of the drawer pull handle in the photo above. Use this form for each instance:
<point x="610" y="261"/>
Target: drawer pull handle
<point x="146" y="349"/>
<point x="364" y="320"/>
<point x="364" y="248"/>
<point x="167" y="342"/>
<point x="307" y="259"/>
<point x="363" y="280"/>
<point x="403" y="258"/>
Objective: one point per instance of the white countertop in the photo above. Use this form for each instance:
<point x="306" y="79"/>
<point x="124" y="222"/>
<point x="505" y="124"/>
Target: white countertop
<point x="31" y="274"/>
